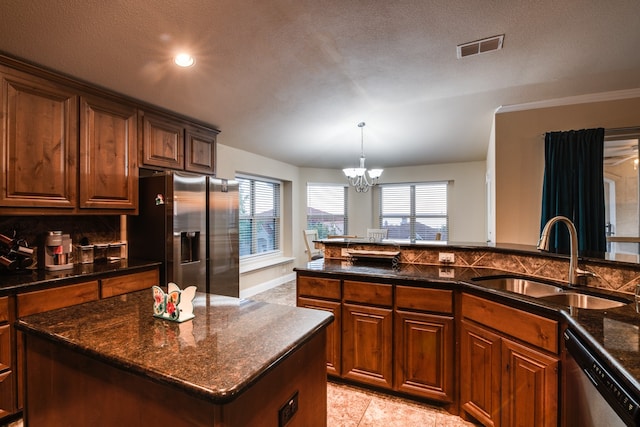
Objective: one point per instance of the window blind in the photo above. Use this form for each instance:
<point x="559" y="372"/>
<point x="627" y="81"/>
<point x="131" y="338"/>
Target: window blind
<point x="259" y="217"/>
<point x="327" y="209"/>
<point x="415" y="211"/>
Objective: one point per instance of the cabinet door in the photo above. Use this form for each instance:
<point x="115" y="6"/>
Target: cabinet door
<point x="5" y="347"/>
<point x="367" y="345"/>
<point x="529" y="387"/>
<point x="7" y="386"/>
<point x="7" y="394"/>
<point x="108" y="150"/>
<point x="162" y="142"/>
<point x="480" y="368"/>
<point x="334" y="330"/>
<point x="424" y="355"/>
<point x="200" y="150"/>
<point x="39" y="143"/>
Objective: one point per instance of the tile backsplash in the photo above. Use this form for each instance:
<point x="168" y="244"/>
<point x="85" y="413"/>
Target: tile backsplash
<point x="622" y="278"/>
<point x="33" y="229"/>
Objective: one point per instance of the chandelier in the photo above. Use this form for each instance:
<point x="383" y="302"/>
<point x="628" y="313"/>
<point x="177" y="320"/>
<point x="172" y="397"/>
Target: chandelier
<point x="358" y="176"/>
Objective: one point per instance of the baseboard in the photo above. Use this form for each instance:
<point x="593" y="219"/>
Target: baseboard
<point x="265" y="286"/>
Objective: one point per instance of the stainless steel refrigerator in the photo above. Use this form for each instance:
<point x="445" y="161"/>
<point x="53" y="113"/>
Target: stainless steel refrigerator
<point x="188" y="222"/>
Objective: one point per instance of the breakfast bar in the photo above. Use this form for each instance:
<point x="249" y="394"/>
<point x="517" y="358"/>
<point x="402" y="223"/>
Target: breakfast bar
<point x="237" y="363"/>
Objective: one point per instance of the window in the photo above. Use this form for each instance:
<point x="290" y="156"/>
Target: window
<point x="415" y="211"/>
<point x="326" y="209"/>
<point x="259" y="216"/>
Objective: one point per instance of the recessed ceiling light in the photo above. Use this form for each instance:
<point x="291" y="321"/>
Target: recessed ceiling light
<point x="184" y="60"/>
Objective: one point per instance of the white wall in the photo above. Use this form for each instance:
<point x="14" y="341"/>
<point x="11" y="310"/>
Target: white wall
<point x="467" y="196"/>
<point x="467" y="199"/>
<point x="519" y="152"/>
<point x="467" y="205"/>
<point x="266" y="273"/>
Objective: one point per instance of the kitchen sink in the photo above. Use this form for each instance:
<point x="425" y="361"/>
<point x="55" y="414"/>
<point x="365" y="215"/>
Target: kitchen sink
<point x="550" y="293"/>
<point x="522" y="286"/>
<point x="578" y="300"/>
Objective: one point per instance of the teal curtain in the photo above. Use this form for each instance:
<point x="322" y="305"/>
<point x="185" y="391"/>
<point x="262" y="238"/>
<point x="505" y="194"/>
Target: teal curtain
<point x="574" y="187"/>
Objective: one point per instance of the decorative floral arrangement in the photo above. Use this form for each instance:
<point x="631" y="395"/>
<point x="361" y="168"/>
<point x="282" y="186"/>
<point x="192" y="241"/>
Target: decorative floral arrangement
<point x="175" y="305"/>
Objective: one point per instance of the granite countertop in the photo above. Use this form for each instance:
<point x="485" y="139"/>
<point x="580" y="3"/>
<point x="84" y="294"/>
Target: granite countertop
<point x="27" y="280"/>
<point x="217" y="355"/>
<point x="614" y="333"/>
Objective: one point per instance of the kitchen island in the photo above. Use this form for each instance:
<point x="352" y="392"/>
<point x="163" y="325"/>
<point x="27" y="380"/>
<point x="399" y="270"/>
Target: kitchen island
<point x="237" y="363"/>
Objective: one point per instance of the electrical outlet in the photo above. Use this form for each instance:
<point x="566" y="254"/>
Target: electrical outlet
<point x="446" y="272"/>
<point x="288" y="410"/>
<point x="446" y="257"/>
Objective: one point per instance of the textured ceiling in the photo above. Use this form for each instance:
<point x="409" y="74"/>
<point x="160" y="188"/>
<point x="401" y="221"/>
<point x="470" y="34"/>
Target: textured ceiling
<point x="290" y="80"/>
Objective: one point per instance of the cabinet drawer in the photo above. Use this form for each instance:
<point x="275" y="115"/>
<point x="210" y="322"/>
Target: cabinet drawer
<point x="368" y="293"/>
<point x="50" y="299"/>
<point x="5" y="347"/>
<point x="128" y="283"/>
<point x="528" y="327"/>
<point x="4" y="309"/>
<point x="423" y="299"/>
<point x="319" y="287"/>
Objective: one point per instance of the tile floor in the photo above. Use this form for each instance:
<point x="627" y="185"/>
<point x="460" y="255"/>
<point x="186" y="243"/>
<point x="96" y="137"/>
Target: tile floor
<point x="349" y="406"/>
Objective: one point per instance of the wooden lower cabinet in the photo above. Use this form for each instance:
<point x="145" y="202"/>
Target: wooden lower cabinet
<point x="325" y="294"/>
<point x="334" y="332"/>
<point x="11" y="374"/>
<point x="7" y="368"/>
<point x="424" y="355"/>
<point x="424" y="343"/>
<point x="529" y="386"/>
<point x="480" y="367"/>
<point x="45" y="300"/>
<point x="367" y="345"/>
<point x="504" y="382"/>
<point x="394" y="337"/>
<point x="503" y="371"/>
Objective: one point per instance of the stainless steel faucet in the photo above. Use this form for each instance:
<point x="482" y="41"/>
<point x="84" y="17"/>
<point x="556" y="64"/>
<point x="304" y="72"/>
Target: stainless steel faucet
<point x="543" y="244"/>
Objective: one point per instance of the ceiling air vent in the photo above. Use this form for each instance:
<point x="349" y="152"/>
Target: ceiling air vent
<point x="480" y="46"/>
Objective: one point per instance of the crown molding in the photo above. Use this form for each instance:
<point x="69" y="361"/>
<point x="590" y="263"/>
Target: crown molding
<point x="571" y="100"/>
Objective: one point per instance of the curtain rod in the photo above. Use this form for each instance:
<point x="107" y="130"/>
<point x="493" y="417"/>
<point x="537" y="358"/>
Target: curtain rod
<point x="633" y="131"/>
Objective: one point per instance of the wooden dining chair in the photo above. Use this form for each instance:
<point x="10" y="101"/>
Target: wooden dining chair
<point x="312" y="252"/>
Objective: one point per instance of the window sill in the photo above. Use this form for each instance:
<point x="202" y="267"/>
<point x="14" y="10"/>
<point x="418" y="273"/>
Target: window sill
<point x="253" y="265"/>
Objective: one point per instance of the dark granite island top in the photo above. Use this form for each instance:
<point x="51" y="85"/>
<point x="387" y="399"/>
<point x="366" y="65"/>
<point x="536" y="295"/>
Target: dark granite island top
<point x="217" y="358"/>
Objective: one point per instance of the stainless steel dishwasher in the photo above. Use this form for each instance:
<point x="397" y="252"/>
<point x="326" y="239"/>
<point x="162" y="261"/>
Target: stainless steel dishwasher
<point x="595" y="395"/>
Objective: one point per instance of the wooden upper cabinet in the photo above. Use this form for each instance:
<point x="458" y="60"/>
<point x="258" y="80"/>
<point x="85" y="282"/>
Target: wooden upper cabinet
<point x="200" y="150"/>
<point x="171" y="143"/>
<point x="162" y="141"/>
<point x="108" y="155"/>
<point x="39" y="142"/>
